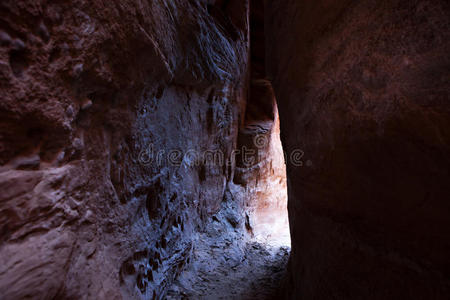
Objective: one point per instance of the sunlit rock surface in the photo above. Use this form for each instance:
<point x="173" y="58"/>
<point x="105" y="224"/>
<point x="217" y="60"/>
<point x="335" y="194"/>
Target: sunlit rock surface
<point x="261" y="170"/>
<point x="261" y="177"/>
<point x="270" y="218"/>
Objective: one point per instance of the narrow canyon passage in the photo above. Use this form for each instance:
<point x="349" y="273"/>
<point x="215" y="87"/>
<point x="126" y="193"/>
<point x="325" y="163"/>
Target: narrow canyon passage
<point x="224" y="149"/>
<point x="227" y="263"/>
<point x="140" y="152"/>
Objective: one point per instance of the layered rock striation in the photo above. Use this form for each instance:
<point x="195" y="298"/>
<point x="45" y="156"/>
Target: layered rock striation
<point x="100" y="104"/>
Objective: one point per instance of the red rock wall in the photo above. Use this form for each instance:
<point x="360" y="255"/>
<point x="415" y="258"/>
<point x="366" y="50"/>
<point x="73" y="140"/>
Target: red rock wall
<point x="260" y="174"/>
<point x="363" y="89"/>
<point x="88" y="90"/>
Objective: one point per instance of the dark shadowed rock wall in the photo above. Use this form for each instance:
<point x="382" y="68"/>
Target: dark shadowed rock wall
<point x="100" y="100"/>
<point x="363" y="89"/>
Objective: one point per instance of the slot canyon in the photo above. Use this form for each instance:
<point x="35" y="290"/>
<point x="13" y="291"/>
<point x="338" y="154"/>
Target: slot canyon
<point x="225" y="149"/>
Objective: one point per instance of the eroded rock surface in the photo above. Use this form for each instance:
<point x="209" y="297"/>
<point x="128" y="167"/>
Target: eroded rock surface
<point x="363" y="90"/>
<point x="99" y="103"/>
<point x="260" y="167"/>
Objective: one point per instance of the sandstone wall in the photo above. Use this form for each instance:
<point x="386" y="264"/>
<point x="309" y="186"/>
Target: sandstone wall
<point x="89" y="91"/>
<point x="363" y="90"/>
<point x="260" y="172"/>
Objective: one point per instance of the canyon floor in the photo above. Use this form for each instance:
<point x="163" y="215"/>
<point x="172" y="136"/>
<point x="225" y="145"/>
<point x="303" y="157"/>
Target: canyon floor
<point x="229" y="267"/>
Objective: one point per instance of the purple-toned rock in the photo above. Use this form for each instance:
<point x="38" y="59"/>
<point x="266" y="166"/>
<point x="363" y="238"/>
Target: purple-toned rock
<point x="363" y="90"/>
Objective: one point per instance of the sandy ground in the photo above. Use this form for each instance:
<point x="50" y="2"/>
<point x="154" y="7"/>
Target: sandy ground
<point x="225" y="266"/>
